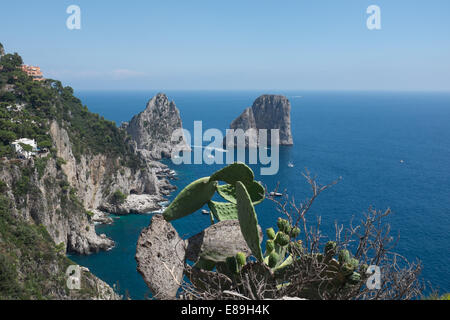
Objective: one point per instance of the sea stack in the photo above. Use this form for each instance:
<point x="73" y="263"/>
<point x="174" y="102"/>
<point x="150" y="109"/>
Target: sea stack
<point x="152" y="129"/>
<point x="268" y="112"/>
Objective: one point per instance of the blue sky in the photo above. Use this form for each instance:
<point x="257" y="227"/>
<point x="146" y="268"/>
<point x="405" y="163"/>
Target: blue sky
<point x="246" y="44"/>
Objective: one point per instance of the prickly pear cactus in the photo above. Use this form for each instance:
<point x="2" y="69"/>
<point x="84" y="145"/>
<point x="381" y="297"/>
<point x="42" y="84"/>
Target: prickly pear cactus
<point x="270" y="246"/>
<point x="274" y="258"/>
<point x="283" y="225"/>
<point x="344" y="257"/>
<point x="223" y="210"/>
<point x="241" y="259"/>
<point x="248" y="220"/>
<point x="233" y="173"/>
<point x="190" y="199"/>
<point x="270" y="233"/>
<point x="232" y="265"/>
<point x="254" y="189"/>
<point x="282" y="239"/>
<point x="205" y="264"/>
<point x="295" y="232"/>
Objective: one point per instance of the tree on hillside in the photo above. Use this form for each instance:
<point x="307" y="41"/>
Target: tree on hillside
<point x="11" y="62"/>
<point x="2" y="50"/>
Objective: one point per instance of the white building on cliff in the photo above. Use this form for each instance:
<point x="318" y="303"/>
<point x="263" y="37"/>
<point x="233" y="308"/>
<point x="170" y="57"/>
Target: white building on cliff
<point x="22" y="150"/>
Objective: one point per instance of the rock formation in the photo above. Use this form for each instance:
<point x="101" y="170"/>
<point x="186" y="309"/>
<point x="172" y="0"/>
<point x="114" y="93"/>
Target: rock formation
<point x="268" y="112"/>
<point x="90" y="180"/>
<point x="160" y="256"/>
<point x="218" y="242"/>
<point x="152" y="129"/>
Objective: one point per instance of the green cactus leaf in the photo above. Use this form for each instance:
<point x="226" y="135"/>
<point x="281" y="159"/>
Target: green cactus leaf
<point x="270" y="246"/>
<point x="289" y="260"/>
<point x="254" y="189"/>
<point x="205" y="264"/>
<point x="248" y="220"/>
<point x="190" y="199"/>
<point x="223" y="210"/>
<point x="233" y="173"/>
<point x="228" y="192"/>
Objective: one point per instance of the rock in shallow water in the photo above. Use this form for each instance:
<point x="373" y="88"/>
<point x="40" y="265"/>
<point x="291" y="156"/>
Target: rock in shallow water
<point x="268" y="112"/>
<point x="135" y="203"/>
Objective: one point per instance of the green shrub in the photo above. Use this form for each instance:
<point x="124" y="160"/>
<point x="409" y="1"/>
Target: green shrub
<point x="118" y="197"/>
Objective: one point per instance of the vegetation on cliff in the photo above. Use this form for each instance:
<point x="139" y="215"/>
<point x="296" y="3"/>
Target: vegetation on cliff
<point x="37" y="192"/>
<point x="27" y="108"/>
<point x="32" y="266"/>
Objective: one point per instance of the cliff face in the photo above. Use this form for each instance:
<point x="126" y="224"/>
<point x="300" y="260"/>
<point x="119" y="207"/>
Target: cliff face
<point x="268" y="112"/>
<point x="33" y="267"/>
<point x="151" y="130"/>
<point x="61" y="196"/>
<point x="96" y="177"/>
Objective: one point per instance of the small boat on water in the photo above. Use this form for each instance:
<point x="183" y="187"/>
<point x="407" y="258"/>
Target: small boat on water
<point x="205" y="211"/>
<point x="275" y="194"/>
<point x="290" y="165"/>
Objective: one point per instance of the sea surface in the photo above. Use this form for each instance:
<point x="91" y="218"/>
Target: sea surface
<point x="392" y="150"/>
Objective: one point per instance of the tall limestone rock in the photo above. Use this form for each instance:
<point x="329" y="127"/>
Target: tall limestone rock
<point x="152" y="129"/>
<point x="268" y="112"/>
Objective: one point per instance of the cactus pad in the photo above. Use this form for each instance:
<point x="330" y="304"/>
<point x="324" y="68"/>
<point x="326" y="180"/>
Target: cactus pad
<point x="233" y="173"/>
<point x="270" y="246"/>
<point x="254" y="189"/>
<point x="248" y="220"/>
<point x="223" y="210"/>
<point x="205" y="264"/>
<point x="190" y="199"/>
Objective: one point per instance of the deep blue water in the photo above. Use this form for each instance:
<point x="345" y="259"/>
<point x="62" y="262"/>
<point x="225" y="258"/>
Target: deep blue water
<point x="359" y="136"/>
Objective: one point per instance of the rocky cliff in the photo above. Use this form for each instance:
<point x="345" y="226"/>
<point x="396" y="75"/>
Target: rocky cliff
<point x="64" y="192"/>
<point x="267" y="112"/>
<point x="49" y="199"/>
<point x="151" y="130"/>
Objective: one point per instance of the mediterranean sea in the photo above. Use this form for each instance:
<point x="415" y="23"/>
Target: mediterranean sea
<point x="392" y="150"/>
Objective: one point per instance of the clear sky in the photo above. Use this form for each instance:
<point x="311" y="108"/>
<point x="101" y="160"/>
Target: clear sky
<point x="246" y="44"/>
